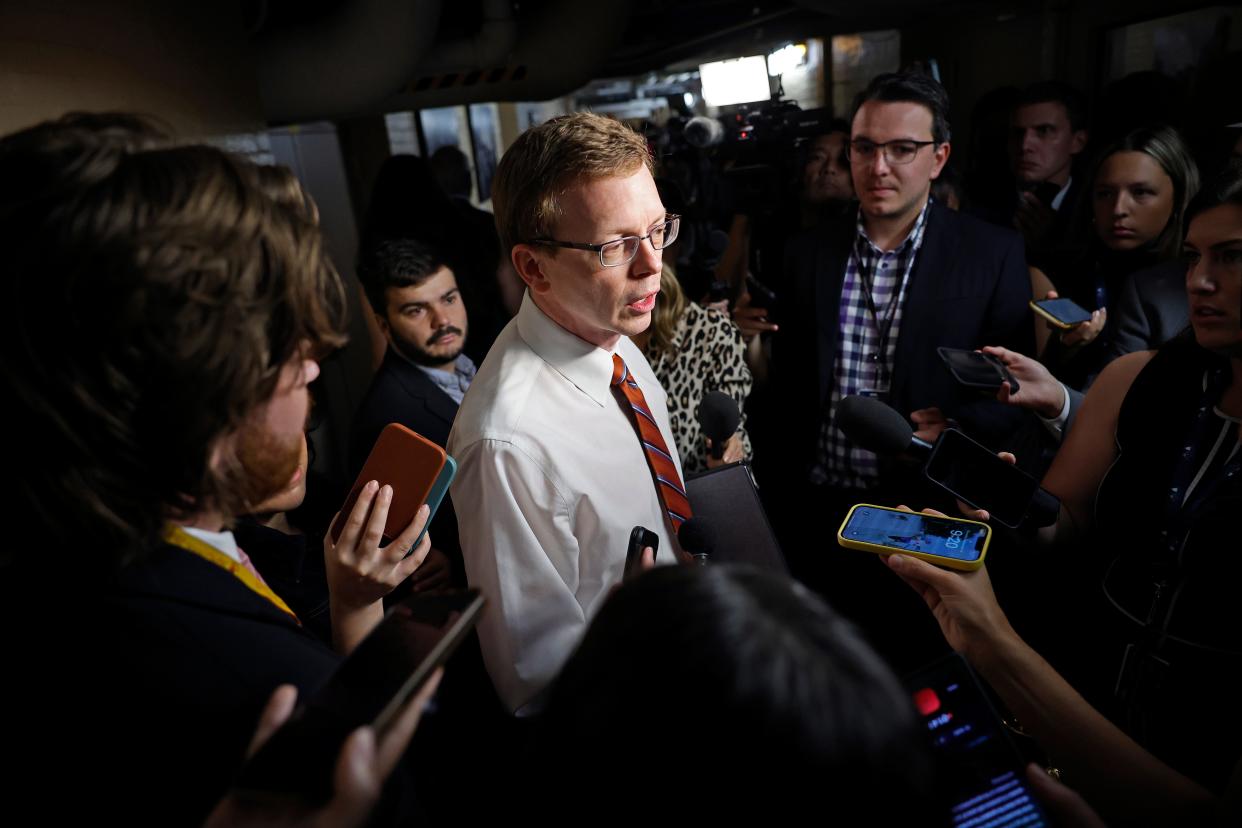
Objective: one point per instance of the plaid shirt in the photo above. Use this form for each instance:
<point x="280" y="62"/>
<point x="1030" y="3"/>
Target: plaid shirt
<point x="857" y="368"/>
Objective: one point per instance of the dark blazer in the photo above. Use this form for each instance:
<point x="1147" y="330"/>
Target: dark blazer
<point x="969" y="288"/>
<point x="146" y="687"/>
<point x="403" y="393"/>
<point x="1151" y="310"/>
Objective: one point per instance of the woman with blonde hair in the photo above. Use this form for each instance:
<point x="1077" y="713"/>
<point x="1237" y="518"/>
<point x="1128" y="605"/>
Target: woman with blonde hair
<point x="694" y="350"/>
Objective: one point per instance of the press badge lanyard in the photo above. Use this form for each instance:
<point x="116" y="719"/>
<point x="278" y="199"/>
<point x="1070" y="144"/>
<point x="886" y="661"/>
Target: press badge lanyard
<point x="878" y="359"/>
<point x="178" y="537"/>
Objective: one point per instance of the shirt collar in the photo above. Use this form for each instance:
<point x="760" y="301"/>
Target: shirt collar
<point x="223" y="541"/>
<point x="913" y="238"/>
<point x="588" y="367"/>
<point x="1059" y="198"/>
<point x="464" y="368"/>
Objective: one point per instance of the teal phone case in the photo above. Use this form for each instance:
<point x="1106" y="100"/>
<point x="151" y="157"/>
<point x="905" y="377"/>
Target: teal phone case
<point x="438" y="490"/>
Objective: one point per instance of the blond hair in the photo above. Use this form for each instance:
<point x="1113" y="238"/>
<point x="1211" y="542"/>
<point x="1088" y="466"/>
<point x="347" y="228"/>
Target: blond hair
<point x="548" y="159"/>
<point x="669" y="307"/>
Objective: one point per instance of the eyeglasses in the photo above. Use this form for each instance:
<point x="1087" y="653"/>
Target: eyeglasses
<point x="895" y="152"/>
<point x="622" y="251"/>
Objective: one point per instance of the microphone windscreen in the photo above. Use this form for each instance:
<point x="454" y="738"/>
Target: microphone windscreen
<point x="872" y="425"/>
<point x="719" y="416"/>
<point x="697" y="537"/>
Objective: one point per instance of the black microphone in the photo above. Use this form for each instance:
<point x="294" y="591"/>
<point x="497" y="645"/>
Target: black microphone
<point x="876" y="427"/>
<point x="698" y="538"/>
<point x="719" y="417"/>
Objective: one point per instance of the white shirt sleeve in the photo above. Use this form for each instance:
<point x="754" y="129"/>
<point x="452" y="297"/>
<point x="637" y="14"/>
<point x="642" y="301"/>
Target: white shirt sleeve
<point x="1056" y="425"/>
<point x="520" y="551"/>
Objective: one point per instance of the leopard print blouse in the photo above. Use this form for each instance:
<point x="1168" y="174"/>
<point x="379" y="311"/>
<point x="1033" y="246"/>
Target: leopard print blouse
<point x="706" y="354"/>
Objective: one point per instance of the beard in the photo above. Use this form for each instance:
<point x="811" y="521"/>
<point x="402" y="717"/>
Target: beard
<point x="266" y="463"/>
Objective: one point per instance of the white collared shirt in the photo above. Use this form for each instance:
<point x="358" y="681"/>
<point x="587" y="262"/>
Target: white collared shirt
<point x="551" y="480"/>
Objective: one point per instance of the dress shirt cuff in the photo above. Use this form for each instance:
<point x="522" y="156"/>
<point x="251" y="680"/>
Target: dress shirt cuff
<point x="1056" y="425"/>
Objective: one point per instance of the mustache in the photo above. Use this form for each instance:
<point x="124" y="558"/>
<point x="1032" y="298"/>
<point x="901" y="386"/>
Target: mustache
<point x="447" y="329"/>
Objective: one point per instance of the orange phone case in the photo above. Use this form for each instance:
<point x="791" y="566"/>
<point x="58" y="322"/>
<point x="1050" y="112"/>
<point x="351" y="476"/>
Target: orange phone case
<point x="408" y="462"/>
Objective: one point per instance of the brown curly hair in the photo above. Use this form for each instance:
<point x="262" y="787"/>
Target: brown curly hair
<point x="155" y="292"/>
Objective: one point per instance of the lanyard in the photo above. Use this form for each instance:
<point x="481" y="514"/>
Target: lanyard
<point x="879" y="358"/>
<point x="177" y="536"/>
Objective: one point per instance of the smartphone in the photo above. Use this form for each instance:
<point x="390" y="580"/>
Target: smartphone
<point x="955" y="543"/>
<point x="1062" y="313"/>
<point x="370" y="687"/>
<point x="418" y="470"/>
<point x="640" y="538"/>
<point x="975" y="369"/>
<point x="978" y="763"/>
<point x="972" y="472"/>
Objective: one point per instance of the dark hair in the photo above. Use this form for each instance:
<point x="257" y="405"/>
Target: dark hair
<point x="451" y="170"/>
<point x="725" y="674"/>
<point x="1224" y="188"/>
<point x="396" y="263"/>
<point x="156" y="293"/>
<point x="910" y="87"/>
<point x="1074" y="102"/>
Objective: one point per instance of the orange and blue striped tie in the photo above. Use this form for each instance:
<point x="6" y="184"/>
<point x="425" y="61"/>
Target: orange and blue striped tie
<point x="663" y="468"/>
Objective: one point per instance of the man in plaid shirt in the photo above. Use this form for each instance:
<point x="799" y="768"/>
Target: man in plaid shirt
<point x="873" y="299"/>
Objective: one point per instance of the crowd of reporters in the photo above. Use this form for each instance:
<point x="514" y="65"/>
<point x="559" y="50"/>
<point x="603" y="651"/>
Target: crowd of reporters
<point x="170" y="303"/>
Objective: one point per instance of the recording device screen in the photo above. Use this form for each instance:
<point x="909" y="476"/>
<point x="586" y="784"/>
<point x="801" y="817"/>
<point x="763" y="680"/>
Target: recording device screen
<point x="911" y="532"/>
<point x="370" y="687"/>
<point x="978" y="763"/>
<point x="973" y="473"/>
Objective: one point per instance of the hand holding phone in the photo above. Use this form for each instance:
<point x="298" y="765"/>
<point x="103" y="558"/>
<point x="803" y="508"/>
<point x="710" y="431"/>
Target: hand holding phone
<point x="640" y="538"/>
<point x="1063" y="314"/>
<point x="978" y="370"/>
<point x="975" y="475"/>
<point x="370" y="688"/>
<point x="945" y="541"/>
<point x="360" y="570"/>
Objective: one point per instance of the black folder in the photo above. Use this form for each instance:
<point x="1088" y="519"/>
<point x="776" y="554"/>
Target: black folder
<point x="727" y="499"/>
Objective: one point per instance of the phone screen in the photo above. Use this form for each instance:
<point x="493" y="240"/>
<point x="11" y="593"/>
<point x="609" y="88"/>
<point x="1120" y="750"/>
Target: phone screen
<point x="382" y="672"/>
<point x="973" y="473"/>
<point x="1065" y="310"/>
<point x="982" y="768"/>
<point x="911" y="532"/>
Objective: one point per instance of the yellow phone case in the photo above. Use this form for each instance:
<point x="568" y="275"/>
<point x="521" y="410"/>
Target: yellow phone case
<point x="938" y="560"/>
<point x="1052" y="320"/>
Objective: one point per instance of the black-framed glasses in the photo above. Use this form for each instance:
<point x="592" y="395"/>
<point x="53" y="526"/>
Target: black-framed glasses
<point x="622" y="251"/>
<point x="895" y="152"/>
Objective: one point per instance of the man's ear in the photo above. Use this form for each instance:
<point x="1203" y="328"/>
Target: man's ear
<point x="529" y="267"/>
<point x="942" y="158"/>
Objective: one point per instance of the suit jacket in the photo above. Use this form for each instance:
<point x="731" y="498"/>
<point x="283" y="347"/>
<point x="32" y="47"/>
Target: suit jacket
<point x="145" y="688"/>
<point x="403" y="393"/>
<point x="969" y="287"/>
<point x="1151" y="310"/>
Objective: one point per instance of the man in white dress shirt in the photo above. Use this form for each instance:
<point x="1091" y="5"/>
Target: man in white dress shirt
<point x="552" y="475"/>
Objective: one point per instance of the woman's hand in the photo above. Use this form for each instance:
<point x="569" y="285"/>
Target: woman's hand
<point x="1038" y="391"/>
<point x="360" y="571"/>
<point x="361" y="768"/>
<point x="963" y="603"/>
<point x="732" y="452"/>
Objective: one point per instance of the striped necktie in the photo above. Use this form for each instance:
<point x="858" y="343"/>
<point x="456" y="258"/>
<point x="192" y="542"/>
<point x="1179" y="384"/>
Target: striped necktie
<point x="663" y="468"/>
